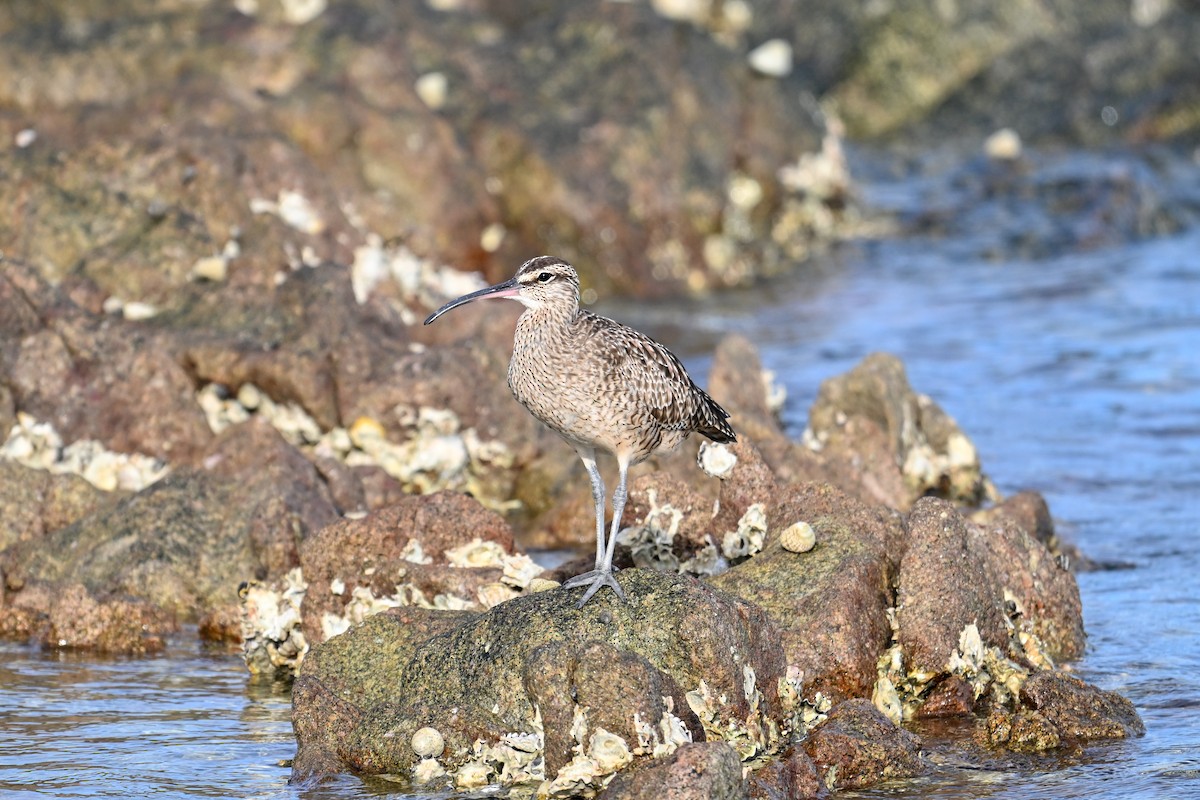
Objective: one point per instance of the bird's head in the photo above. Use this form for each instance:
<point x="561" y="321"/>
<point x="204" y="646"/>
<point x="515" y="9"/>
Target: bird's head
<point x="542" y="282"/>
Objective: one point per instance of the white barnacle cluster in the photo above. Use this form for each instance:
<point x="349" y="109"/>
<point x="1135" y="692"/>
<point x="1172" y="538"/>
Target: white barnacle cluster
<point x="651" y="542"/>
<point x="985" y="668"/>
<point x="802" y="713"/>
<point x="37" y="445"/>
<point x="435" y="454"/>
<point x="517" y="758"/>
<point x="271" y="637"/>
<point x="751" y="736"/>
<point x="421" y="283"/>
<point x="661" y="739"/>
<point x="517" y="569"/>
<point x="900" y="692"/>
<point x="748" y="538"/>
<point x="597" y="757"/>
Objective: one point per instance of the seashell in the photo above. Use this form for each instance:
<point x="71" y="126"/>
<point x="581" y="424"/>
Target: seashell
<point x="716" y="459"/>
<point x="798" y="538"/>
<point x="428" y="743"/>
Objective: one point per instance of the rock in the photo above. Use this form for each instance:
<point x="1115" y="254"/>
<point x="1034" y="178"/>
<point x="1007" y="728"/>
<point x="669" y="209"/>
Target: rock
<point x="185" y="543"/>
<point x="675" y="632"/>
<point x="945" y="584"/>
<point x="1029" y="511"/>
<point x="699" y="771"/>
<point x="907" y="445"/>
<point x="857" y="747"/>
<point x="561" y="677"/>
<point x="78" y="620"/>
<point x="221" y="624"/>
<point x="950" y="697"/>
<point x="1079" y="711"/>
<point x="830" y="603"/>
<point x="257" y="156"/>
<point x="1041" y="592"/>
<point x="401" y="547"/>
<point x="791" y="776"/>
<point x="34" y="502"/>
<point x="666" y="526"/>
<point x="96" y="378"/>
<point x="1022" y="731"/>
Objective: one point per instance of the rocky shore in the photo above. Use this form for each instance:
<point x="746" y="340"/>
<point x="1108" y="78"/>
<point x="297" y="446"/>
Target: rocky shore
<point x="222" y="222"/>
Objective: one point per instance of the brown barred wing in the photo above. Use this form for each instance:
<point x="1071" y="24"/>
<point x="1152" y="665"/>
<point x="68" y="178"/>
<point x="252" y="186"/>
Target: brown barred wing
<point x="658" y="383"/>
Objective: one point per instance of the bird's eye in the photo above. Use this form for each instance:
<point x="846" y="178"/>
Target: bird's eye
<point x="544" y="276"/>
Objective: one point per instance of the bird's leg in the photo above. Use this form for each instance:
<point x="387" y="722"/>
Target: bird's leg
<point x="603" y="575"/>
<point x="588" y="456"/>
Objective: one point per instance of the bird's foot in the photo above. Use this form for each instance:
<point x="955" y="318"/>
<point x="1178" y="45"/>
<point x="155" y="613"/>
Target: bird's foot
<point x="594" y="580"/>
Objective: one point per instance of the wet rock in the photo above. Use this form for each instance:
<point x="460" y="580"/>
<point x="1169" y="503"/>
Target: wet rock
<point x="830" y="603"/>
<point x="945" y="583"/>
<point x="792" y="776"/>
<point x="402" y="552"/>
<point x="950" y="697"/>
<point x="699" y="771"/>
<point x="722" y="653"/>
<point x="906" y="445"/>
<point x="222" y="624"/>
<point x="857" y="747"/>
<point x="1041" y="593"/>
<point x="77" y="619"/>
<point x="1023" y="731"/>
<point x="1076" y="710"/>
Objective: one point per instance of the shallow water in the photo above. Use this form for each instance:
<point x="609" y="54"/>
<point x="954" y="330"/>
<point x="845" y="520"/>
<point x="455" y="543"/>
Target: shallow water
<point x="1077" y="375"/>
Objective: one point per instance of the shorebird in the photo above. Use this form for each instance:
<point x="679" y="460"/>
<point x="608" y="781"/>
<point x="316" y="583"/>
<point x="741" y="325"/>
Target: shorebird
<point x="600" y="385"/>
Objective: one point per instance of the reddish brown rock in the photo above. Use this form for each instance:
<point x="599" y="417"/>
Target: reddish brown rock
<point x="950" y="697"/>
<point x="857" y="747"/>
<point x="830" y="603"/>
<point x="1079" y="710"/>
<point x="791" y="776"/>
<point x="187" y="541"/>
<point x="79" y="620"/>
<point x="696" y="771"/>
<point x="903" y="443"/>
<point x="945" y="583"/>
<point x="101" y="378"/>
<point x="222" y="624"/>
<point x="370" y="553"/>
<point x="1043" y="589"/>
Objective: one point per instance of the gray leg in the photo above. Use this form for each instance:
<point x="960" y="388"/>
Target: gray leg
<point x="588" y="456"/>
<point x="604" y="572"/>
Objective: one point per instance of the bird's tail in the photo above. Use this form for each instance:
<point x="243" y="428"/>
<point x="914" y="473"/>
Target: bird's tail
<point x="712" y="421"/>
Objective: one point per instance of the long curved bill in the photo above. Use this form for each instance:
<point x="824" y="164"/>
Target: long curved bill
<point x="509" y="288"/>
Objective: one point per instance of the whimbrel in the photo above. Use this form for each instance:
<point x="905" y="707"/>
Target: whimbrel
<point x="600" y="385"/>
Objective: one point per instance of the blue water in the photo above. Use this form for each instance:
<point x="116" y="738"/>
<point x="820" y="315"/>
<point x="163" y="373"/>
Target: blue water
<point x="1077" y="375"/>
